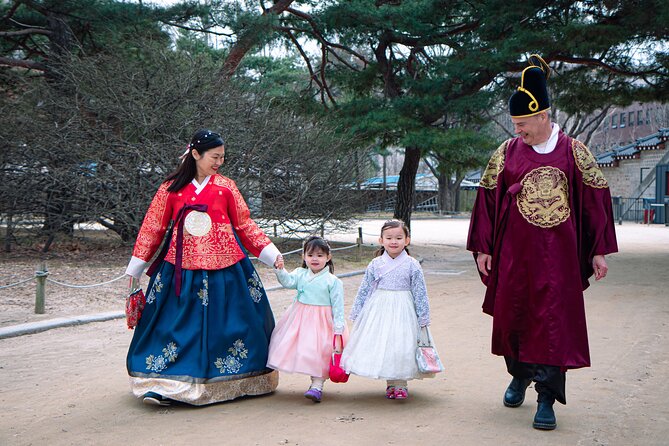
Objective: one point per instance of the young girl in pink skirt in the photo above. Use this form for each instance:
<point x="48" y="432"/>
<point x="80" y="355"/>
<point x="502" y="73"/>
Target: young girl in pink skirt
<point x="302" y="341"/>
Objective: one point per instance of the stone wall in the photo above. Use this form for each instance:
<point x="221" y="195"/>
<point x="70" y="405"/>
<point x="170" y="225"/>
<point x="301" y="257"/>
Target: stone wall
<point x="626" y="176"/>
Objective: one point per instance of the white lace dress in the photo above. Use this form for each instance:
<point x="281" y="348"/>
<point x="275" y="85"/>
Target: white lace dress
<point x="389" y="309"/>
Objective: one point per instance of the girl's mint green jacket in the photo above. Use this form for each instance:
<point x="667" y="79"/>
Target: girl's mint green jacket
<point x="323" y="289"/>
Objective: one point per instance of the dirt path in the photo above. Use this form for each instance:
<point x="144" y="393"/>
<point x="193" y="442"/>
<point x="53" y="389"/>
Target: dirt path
<point x="69" y="386"/>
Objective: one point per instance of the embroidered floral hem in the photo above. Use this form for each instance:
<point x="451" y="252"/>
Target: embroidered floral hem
<point x="199" y="394"/>
<point x="209" y="344"/>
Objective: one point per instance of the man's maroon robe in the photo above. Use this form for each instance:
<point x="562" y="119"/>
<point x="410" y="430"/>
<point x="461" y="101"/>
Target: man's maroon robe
<point x="542" y="217"/>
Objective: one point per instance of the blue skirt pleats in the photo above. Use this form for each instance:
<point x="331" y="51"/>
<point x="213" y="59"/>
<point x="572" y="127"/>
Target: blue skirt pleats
<point x="209" y="344"/>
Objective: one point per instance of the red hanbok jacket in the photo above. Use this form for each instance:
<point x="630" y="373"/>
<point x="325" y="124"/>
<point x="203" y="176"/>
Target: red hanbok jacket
<point x="217" y="248"/>
<point x="542" y="217"/>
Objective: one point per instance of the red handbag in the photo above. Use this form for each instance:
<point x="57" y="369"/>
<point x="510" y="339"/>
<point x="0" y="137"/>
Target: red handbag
<point x="134" y="304"/>
<point x="337" y="374"/>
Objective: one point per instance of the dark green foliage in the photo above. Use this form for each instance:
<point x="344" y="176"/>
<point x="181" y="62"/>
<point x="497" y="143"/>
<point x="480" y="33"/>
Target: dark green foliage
<point x="426" y="75"/>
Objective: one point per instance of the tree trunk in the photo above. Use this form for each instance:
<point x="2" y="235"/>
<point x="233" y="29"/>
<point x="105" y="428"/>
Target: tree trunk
<point x="456" y="200"/>
<point x="9" y="233"/>
<point x="454" y="193"/>
<point x="451" y="192"/>
<point x="248" y="40"/>
<point x="60" y="44"/>
<point x="406" y="186"/>
<point x="442" y="192"/>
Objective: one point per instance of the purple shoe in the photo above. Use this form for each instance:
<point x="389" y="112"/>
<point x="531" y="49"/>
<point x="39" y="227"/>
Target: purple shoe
<point x="314" y="395"/>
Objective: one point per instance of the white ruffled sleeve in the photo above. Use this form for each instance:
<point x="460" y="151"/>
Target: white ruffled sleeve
<point x="419" y="292"/>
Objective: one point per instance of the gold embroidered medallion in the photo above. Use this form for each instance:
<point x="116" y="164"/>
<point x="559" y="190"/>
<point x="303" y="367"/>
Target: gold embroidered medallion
<point x="587" y="164"/>
<point x="494" y="168"/>
<point x="544" y="198"/>
<point x="197" y="223"/>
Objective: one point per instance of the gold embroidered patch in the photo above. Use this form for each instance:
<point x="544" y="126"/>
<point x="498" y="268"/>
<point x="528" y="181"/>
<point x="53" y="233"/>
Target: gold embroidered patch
<point x="587" y="164"/>
<point x="544" y="198"/>
<point x="494" y="168"/>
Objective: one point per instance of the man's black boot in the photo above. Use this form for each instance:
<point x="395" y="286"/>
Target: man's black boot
<point x="545" y="417"/>
<point x="515" y="393"/>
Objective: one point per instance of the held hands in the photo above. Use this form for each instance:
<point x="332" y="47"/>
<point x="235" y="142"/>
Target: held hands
<point x="484" y="263"/>
<point x="600" y="267"/>
<point x="278" y="263"/>
<point x="337" y="347"/>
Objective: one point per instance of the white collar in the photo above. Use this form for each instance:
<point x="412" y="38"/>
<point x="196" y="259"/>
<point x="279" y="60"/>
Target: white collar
<point x="311" y="276"/>
<point x="549" y="145"/>
<point x="400" y="258"/>
<point x="198" y="186"/>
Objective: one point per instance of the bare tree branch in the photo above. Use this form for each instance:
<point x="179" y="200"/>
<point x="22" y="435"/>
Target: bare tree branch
<point x="22" y="63"/>
<point x="594" y="62"/>
<point x="324" y="61"/>
<point x="198" y="29"/>
<point x="12" y="10"/>
<point x="319" y="36"/>
<point x="312" y="74"/>
<point x="24" y="32"/>
<point x="248" y="40"/>
<point x="493" y="118"/>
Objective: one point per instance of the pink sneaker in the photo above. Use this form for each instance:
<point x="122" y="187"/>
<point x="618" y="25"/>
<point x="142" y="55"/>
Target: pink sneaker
<point x="401" y="393"/>
<point x="390" y="392"/>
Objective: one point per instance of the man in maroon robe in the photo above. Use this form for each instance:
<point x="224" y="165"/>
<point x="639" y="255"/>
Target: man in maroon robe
<point x="541" y="226"/>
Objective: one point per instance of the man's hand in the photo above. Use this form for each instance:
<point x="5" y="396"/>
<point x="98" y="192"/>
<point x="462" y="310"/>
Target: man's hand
<point x="600" y="266"/>
<point x="484" y="263"/>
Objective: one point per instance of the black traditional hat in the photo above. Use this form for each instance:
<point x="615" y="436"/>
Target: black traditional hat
<point x="531" y="98"/>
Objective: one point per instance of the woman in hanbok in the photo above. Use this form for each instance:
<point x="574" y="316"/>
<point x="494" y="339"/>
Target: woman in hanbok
<point x="204" y="333"/>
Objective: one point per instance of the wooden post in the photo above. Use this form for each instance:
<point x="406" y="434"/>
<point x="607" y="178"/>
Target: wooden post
<point x="40" y="278"/>
<point x="359" y="242"/>
<point x="274" y="230"/>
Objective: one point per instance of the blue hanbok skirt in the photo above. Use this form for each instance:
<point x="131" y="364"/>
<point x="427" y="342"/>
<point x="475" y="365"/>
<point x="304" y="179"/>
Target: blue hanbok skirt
<point x="208" y="345"/>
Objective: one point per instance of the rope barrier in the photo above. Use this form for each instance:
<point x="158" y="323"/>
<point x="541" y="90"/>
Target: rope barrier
<point x="69" y="285"/>
<point x="300" y="250"/>
<point x="17" y="283"/>
<point x="344" y="247"/>
<point x="46" y="273"/>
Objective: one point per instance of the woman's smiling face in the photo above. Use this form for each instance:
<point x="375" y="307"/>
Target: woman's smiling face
<point x="209" y="162"/>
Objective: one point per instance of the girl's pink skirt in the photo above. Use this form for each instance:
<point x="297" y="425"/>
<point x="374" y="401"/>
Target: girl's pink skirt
<point x="302" y="340"/>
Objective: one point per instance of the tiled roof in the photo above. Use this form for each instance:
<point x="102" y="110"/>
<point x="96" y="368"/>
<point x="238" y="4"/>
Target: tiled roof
<point x="626" y="152"/>
<point x="605" y="159"/>
<point x="650" y="142"/>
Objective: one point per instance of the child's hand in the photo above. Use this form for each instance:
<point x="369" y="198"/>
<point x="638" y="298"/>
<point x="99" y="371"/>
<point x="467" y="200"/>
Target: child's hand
<point x="278" y="263"/>
<point x="423" y="338"/>
<point x="337" y="346"/>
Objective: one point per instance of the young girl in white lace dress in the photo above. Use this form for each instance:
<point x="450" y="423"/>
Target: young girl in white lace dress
<point x="389" y="314"/>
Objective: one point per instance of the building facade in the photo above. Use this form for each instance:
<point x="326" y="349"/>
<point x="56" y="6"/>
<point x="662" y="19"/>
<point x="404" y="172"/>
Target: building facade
<point x="624" y="125"/>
